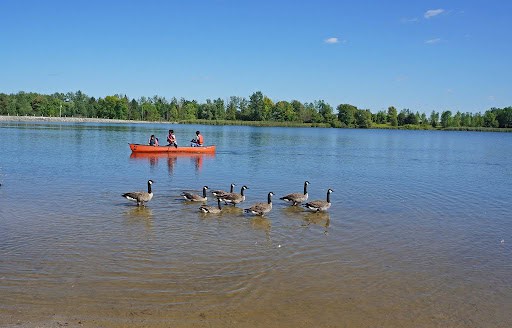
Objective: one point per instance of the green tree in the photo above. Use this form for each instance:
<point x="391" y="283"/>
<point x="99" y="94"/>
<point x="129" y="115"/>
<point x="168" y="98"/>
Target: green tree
<point x="220" y="109"/>
<point x="346" y="114"/>
<point x="256" y="106"/>
<point x="490" y="119"/>
<point x="161" y="106"/>
<point x="325" y="112"/>
<point x="434" y="118"/>
<point x="423" y="119"/>
<point x="299" y="109"/>
<point x="446" y="119"/>
<point x="133" y="112"/>
<point x="53" y="106"/>
<point x="4" y="104"/>
<point x="408" y="117"/>
<point x="206" y="111"/>
<point x="190" y="109"/>
<point x="457" y="119"/>
<point x="245" y="110"/>
<point x="23" y="106"/>
<point x="150" y="111"/>
<point x="113" y="107"/>
<point x="312" y="115"/>
<point x="232" y="107"/>
<point x="268" y="105"/>
<point x="478" y="120"/>
<point x="465" y="119"/>
<point x="283" y="112"/>
<point x="392" y="116"/>
<point x="363" y="118"/>
<point x="39" y="105"/>
<point x="173" y="111"/>
<point x="504" y="117"/>
<point x="380" y="117"/>
<point x="402" y="117"/>
<point x="79" y="104"/>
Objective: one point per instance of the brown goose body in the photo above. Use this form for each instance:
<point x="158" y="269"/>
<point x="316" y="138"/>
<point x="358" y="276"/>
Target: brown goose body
<point x="234" y="198"/>
<point x="222" y="193"/>
<point x="261" y="208"/>
<point x="297" y="198"/>
<point x="141" y="197"/>
<point x="320" y="205"/>
<point x="195" y="197"/>
<point x="211" y="209"/>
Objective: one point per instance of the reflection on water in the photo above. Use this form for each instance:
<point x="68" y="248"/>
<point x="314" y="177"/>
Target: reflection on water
<point x="261" y="223"/>
<point x="138" y="212"/>
<point x="307" y="218"/>
<point x="140" y="215"/>
<point x="171" y="163"/>
<point x="413" y="235"/>
<point x="172" y="158"/>
<point x="232" y="210"/>
<point x="321" y="219"/>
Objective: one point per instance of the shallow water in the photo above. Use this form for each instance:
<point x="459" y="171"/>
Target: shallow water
<point x="419" y="232"/>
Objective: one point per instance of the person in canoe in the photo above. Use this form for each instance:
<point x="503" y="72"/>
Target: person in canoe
<point x="171" y="139"/>
<point x="198" y="141"/>
<point x="153" y="141"/>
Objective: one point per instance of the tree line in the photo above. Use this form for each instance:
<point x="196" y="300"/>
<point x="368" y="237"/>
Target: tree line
<point x="257" y="108"/>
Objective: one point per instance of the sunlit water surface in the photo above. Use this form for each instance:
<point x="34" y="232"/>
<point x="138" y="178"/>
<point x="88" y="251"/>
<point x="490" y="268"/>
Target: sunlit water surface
<point x="419" y="233"/>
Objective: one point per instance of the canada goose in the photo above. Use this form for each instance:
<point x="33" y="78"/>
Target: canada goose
<point x="195" y="197"/>
<point x="233" y="197"/>
<point x="261" y="208"/>
<point x="320" y="205"/>
<point x="140" y="197"/>
<point x="297" y="198"/>
<point x="211" y="209"/>
<point x="220" y="193"/>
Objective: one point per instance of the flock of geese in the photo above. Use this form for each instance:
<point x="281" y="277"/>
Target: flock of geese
<point x="234" y="198"/>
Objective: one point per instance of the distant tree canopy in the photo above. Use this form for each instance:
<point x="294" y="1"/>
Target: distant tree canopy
<point x="257" y="108"/>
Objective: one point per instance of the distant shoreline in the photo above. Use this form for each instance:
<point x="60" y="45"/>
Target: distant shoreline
<point x="6" y="118"/>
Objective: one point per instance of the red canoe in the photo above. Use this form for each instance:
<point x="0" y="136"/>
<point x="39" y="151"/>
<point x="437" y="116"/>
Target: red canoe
<point x="137" y="148"/>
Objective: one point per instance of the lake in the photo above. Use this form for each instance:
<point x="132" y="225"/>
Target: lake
<point x="419" y="233"/>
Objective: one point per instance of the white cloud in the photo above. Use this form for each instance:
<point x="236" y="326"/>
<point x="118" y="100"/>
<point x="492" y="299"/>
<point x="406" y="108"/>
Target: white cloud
<point x="332" y="40"/>
<point x="492" y="98"/>
<point x="409" y="20"/>
<point x="433" y="12"/>
<point x="433" y="41"/>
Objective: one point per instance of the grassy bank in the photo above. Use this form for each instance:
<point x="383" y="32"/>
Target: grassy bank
<point x="429" y="127"/>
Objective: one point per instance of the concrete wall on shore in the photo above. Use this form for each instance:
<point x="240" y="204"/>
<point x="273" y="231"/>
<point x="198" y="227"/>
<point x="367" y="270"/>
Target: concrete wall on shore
<point x="7" y="118"/>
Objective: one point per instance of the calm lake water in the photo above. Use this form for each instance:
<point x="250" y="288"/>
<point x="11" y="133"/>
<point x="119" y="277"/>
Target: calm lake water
<point x="419" y="233"/>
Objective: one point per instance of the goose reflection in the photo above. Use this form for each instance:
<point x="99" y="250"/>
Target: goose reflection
<point x="320" y="218"/>
<point x="139" y="212"/>
<point x="261" y="223"/>
<point x="140" y="216"/>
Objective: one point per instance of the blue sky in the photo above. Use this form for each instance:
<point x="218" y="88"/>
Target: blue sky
<point x="421" y="55"/>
